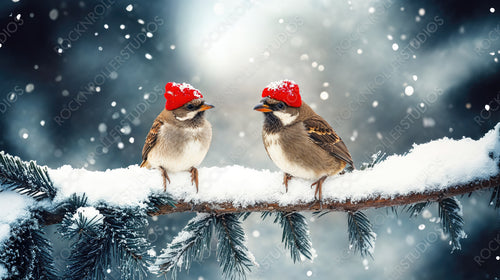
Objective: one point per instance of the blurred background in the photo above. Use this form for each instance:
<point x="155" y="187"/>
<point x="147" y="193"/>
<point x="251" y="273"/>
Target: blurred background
<point x="82" y="81"/>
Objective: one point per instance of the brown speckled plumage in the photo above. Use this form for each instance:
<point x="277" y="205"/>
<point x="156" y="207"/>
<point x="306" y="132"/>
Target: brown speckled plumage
<point x="178" y="140"/>
<point x="301" y="142"/>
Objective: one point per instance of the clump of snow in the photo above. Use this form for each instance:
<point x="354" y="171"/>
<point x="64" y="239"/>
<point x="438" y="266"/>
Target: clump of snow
<point x="185" y="86"/>
<point x="90" y="213"/>
<point x="435" y="165"/>
<point x="151" y="252"/>
<point x="119" y="187"/>
<point x="13" y="207"/>
<point x="3" y="272"/>
<point x="281" y="84"/>
<point x="431" y="166"/>
<point x="4" y="232"/>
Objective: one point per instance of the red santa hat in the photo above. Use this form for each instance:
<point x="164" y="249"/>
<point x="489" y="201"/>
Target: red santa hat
<point x="179" y="94"/>
<point x="285" y="90"/>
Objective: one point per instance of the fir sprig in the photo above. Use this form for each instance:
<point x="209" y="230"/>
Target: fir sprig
<point x="27" y="178"/>
<point x="75" y="223"/>
<point x="115" y="237"/>
<point x="89" y="257"/>
<point x="361" y="235"/>
<point x="28" y="254"/>
<point x="73" y="203"/>
<point x="126" y="228"/>
<point x="450" y="212"/>
<point x="191" y="244"/>
<point x="235" y="259"/>
<point x="295" y="234"/>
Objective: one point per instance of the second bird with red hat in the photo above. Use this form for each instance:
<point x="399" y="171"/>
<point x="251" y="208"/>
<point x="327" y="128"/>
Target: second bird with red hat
<point x="299" y="141"/>
<point x="180" y="136"/>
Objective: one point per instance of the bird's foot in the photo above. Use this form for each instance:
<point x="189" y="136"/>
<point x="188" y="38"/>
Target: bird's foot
<point x="319" y="189"/>
<point x="286" y="178"/>
<point x="165" y="178"/>
<point x="194" y="177"/>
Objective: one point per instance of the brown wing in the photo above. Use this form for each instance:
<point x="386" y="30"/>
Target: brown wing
<point x="322" y="134"/>
<point x="150" y="140"/>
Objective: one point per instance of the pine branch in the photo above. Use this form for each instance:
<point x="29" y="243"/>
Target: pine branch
<point x="191" y="244"/>
<point x="450" y="212"/>
<point x="25" y="177"/>
<point x="295" y="234"/>
<point x="112" y="236"/>
<point x="235" y="259"/>
<point x="328" y="205"/>
<point x="181" y="206"/>
<point x="89" y="258"/>
<point x="28" y="254"/>
<point x="91" y="251"/>
<point x="131" y="246"/>
<point x="43" y="256"/>
<point x="361" y="235"/>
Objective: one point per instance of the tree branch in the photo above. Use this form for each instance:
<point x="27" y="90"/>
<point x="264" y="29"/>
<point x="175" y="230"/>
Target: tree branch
<point x="376" y="202"/>
<point x="328" y="205"/>
<point x="428" y="172"/>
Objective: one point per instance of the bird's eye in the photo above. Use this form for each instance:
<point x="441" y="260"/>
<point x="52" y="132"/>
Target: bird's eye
<point x="280" y="106"/>
<point x="190" y="107"/>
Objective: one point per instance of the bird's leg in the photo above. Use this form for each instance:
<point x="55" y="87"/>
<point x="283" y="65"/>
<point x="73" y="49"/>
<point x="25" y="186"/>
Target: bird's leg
<point x="194" y="177"/>
<point x="286" y="177"/>
<point x="319" y="185"/>
<point x="165" y="178"/>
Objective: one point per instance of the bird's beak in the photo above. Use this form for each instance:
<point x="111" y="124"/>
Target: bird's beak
<point x="262" y="108"/>
<point x="205" y="107"/>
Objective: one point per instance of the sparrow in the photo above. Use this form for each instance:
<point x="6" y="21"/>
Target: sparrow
<point x="180" y="136"/>
<point x="299" y="141"/>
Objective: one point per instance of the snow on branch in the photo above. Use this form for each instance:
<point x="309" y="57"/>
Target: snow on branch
<point x="428" y="172"/>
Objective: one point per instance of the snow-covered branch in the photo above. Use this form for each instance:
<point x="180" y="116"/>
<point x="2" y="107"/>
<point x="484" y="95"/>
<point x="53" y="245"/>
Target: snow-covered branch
<point x="109" y="209"/>
<point x="327" y="205"/>
<point x="347" y="206"/>
<point x="428" y="172"/>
